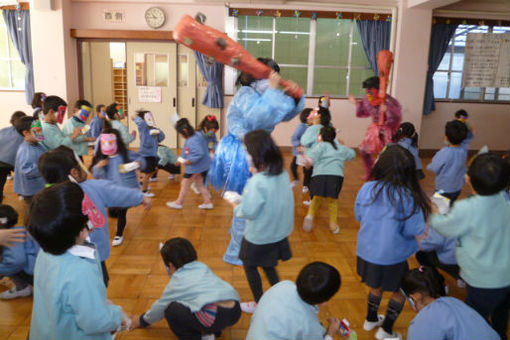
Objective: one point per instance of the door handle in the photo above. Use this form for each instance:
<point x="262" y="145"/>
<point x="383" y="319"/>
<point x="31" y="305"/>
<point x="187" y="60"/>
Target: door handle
<point x="193" y="102"/>
<point x="174" y="101"/>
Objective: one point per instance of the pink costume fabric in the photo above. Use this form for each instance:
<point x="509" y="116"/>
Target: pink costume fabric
<point x="378" y="135"/>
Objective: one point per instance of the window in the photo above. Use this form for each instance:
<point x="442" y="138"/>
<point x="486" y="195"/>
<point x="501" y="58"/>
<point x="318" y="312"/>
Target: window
<point x="448" y="77"/>
<point x="338" y="64"/>
<point x="12" y="70"/>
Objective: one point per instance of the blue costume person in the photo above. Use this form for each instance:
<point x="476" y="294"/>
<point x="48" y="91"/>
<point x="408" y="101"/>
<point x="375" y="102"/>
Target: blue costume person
<point x="255" y="106"/>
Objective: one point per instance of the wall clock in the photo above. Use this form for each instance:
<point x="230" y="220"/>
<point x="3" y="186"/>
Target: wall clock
<point x="155" y="17"/>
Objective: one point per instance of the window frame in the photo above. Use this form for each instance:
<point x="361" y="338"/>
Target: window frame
<point x="450" y="71"/>
<point x="9" y="60"/>
<point x="309" y="91"/>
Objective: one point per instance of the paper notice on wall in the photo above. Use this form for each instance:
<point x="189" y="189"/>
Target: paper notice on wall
<point x="149" y="94"/>
<point x="487" y="60"/>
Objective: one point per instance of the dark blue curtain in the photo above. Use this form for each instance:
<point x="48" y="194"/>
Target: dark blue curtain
<point x="18" y="26"/>
<point x="213" y="73"/>
<point x="375" y="36"/>
<point x="439" y="40"/>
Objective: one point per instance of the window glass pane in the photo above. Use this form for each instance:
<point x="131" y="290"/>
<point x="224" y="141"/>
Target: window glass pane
<point x="161" y="70"/>
<point x="4" y="74"/>
<point x="256" y="35"/>
<point x="140" y="72"/>
<point x="18" y="74"/>
<point x="359" y="58"/>
<point x="473" y="93"/>
<point x="296" y="74"/>
<point x="501" y="29"/>
<point x="458" y="58"/>
<point x="332" y="42"/>
<point x="440" y="84"/>
<point x="14" y="51"/>
<point x="445" y="62"/>
<point x="329" y="80"/>
<point x="3" y="42"/>
<point x="455" y="84"/>
<point x="504" y="93"/>
<point x="292" y="38"/>
<point x="357" y="77"/>
<point x="490" y="93"/>
<point x="183" y="70"/>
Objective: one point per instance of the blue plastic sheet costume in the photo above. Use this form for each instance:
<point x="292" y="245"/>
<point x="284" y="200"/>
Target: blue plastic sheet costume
<point x="253" y="107"/>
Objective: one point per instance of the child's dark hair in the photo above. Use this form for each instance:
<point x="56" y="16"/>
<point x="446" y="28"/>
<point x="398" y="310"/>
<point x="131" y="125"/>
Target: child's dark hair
<point x="178" y="251"/>
<point x="318" y="282"/>
<point x="489" y="174"/>
<point x="55" y="165"/>
<point x="395" y="171"/>
<point x="99" y="107"/>
<point x="325" y="116"/>
<point x="406" y="130"/>
<point x="425" y="280"/>
<point x="37" y="100"/>
<point x="209" y="122"/>
<point x="8" y="212"/>
<point x="15" y="116"/>
<point x="24" y="124"/>
<point x="81" y="102"/>
<point x="121" y="148"/>
<point x="56" y="218"/>
<point x="461" y="114"/>
<point x="328" y="134"/>
<point x="111" y="111"/>
<point x="371" y="83"/>
<point x="245" y="79"/>
<point x="141" y="113"/>
<point x="53" y="103"/>
<point x="455" y="131"/>
<point x="303" y="116"/>
<point x="184" y="127"/>
<point x="264" y="152"/>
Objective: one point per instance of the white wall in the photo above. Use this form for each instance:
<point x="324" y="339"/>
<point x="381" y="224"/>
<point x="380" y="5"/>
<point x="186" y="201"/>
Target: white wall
<point x="11" y="101"/>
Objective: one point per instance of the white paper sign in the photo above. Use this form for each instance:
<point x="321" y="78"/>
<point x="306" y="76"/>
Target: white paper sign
<point x="487" y="60"/>
<point x="149" y="94"/>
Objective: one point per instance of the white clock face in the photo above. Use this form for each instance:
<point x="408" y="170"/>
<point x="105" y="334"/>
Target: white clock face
<point x="155" y="17"/>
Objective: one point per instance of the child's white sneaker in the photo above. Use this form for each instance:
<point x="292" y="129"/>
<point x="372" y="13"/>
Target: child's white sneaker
<point x="117" y="241"/>
<point x="294" y="183"/>
<point x="461" y="283"/>
<point x="370" y="325"/>
<point x="174" y="205"/>
<point x="208" y="337"/>
<point x="153" y="179"/>
<point x="381" y="334"/>
<point x="335" y="229"/>
<point x="207" y="206"/>
<point x="249" y="307"/>
<point x="307" y="202"/>
<point x="194" y="188"/>
<point x="148" y="194"/>
<point x="9" y="177"/>
<point x="171" y="177"/>
<point x="13" y="293"/>
<point x="308" y="223"/>
<point x="305" y="190"/>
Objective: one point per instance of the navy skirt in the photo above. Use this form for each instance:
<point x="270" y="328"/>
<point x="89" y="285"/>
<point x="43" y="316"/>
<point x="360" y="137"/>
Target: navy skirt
<point x="264" y="255"/>
<point x="326" y="186"/>
<point x="379" y="276"/>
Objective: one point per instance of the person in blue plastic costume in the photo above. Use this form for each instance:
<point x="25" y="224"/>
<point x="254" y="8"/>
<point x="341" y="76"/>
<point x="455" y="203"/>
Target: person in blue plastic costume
<point x="258" y="104"/>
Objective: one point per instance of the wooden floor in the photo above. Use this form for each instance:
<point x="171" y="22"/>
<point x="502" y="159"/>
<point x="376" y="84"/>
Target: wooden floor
<point x="138" y="277"/>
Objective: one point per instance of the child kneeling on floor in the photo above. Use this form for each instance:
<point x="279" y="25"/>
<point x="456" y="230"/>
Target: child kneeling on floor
<point x="290" y="310"/>
<point x="196" y="301"/>
<point x="70" y="300"/>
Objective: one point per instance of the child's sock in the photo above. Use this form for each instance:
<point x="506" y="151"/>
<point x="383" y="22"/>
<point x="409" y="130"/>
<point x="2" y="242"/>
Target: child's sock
<point x="394" y="309"/>
<point x="373" y="307"/>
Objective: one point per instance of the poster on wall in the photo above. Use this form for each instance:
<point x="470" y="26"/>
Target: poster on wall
<point x="149" y="94"/>
<point x="487" y="60"/>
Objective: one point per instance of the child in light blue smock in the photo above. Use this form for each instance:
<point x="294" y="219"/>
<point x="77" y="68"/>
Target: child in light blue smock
<point x="481" y="225"/>
<point x="439" y="316"/>
<point x="449" y="163"/>
<point x="289" y="311"/>
<point x="27" y="179"/>
<point x="80" y="144"/>
<point x="60" y="165"/>
<point x="258" y="104"/>
<point x="391" y="209"/>
<point x="150" y="137"/>
<point x="296" y="143"/>
<point x="114" y="117"/>
<point x="70" y="300"/>
<point x="328" y="158"/>
<point x="167" y="160"/>
<point x="10" y="140"/>
<point x="267" y="205"/>
<point x="110" y="155"/>
<point x="17" y="262"/>
<point x="196" y="303"/>
<point x="195" y="156"/>
<point x="407" y="138"/>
